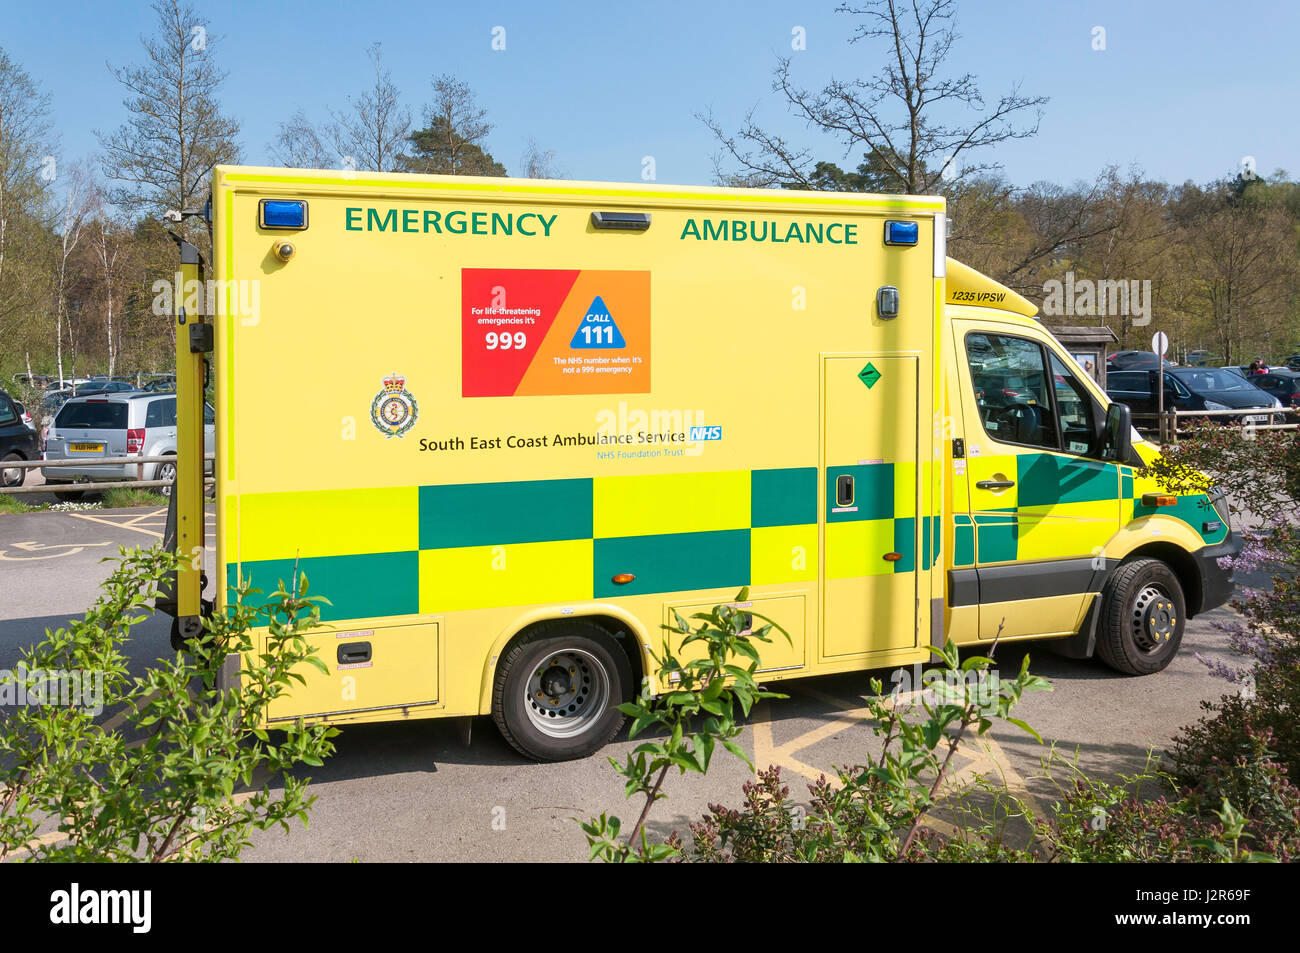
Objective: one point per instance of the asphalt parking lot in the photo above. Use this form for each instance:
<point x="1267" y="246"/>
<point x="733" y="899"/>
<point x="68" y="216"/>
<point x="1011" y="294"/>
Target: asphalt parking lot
<point x="416" y="791"/>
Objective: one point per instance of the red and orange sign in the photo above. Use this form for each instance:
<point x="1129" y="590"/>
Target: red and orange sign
<point x="532" y="331"/>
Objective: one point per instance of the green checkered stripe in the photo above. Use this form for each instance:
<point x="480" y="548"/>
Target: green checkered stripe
<point x="1194" y="509"/>
<point x="534" y="511"/>
<point x="874" y="493"/>
<point x="1042" y="479"/>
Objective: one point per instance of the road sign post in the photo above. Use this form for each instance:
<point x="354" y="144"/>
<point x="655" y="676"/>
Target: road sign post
<point x="1159" y="345"/>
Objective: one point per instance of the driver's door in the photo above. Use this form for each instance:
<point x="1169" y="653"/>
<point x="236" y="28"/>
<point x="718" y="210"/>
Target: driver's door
<point x="1042" y="505"/>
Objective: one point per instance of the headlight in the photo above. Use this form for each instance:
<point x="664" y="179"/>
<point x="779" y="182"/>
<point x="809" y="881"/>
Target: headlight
<point x="1215" y="405"/>
<point x="1219" y="500"/>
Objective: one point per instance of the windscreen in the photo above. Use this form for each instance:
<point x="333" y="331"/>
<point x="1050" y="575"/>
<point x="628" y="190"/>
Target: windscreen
<point x="1214" y="380"/>
<point x="92" y="416"/>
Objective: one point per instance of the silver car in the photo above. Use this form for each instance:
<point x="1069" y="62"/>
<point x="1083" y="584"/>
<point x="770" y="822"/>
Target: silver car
<point x="116" y="425"/>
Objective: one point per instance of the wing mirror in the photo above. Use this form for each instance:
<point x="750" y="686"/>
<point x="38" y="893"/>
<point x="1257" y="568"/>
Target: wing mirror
<point x="1117" y="441"/>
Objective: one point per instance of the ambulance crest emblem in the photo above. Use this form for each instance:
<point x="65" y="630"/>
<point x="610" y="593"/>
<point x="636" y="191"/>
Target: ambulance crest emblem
<point x="394" y="410"/>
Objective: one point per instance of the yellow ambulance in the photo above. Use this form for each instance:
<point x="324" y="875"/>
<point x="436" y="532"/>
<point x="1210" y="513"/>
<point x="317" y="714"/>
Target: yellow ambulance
<point x="508" y="427"/>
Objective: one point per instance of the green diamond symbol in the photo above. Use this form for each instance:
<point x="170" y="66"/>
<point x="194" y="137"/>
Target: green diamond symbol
<point x="869" y="375"/>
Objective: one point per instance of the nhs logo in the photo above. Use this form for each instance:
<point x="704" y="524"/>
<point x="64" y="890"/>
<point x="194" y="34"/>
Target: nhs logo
<point x="705" y="433"/>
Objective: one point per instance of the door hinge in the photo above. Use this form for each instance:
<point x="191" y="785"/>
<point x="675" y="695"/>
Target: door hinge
<point x="200" y="338"/>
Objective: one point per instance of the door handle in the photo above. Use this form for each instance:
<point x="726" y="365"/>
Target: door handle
<point x="995" y="484"/>
<point x="844" y="489"/>
<point x="353" y="653"/>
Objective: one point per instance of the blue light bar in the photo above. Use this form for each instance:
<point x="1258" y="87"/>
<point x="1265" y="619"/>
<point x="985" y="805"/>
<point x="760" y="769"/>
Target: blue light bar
<point x="902" y="233"/>
<point x="282" y="213"/>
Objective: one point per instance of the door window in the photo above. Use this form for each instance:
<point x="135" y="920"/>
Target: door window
<point x="1011" y="389"/>
<point x="1075" y="409"/>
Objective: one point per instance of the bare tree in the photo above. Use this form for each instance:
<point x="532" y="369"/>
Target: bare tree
<point x="1240" y="250"/>
<point x="80" y="199"/>
<point x="370" y="133"/>
<point x="539" y="163"/>
<point x="300" y="145"/>
<point x="27" y="169"/>
<point x="890" y="118"/>
<point x="105" y="238"/>
<point x="164" y="154"/>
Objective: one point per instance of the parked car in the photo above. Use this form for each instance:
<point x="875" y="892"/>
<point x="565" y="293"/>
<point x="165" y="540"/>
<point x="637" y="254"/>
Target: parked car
<point x="105" y="386"/>
<point x="116" y="425"/>
<point x="1190" y="388"/>
<point x="1133" y="360"/>
<point x="65" y="384"/>
<point x="17" y="441"/>
<point x="163" y="385"/>
<point x="1293" y="362"/>
<point x="1283" y="385"/>
<point x="1199" y="358"/>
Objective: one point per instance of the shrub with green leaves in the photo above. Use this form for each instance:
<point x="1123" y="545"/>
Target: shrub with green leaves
<point x="877" y="811"/>
<point x="157" y="778"/>
<point x="695" y="716"/>
<point x="1251" y="734"/>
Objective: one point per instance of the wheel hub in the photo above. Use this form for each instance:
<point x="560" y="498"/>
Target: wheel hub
<point x="556" y="682"/>
<point x="566" y="692"/>
<point x="1154" y="619"/>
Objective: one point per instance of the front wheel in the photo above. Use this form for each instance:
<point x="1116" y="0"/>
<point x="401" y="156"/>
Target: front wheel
<point x="1143" y="613"/>
<point x="557" y="691"/>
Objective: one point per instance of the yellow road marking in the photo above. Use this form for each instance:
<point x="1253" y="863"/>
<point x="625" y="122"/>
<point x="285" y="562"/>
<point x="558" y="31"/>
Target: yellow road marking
<point x="69" y="549"/>
<point x="981" y="755"/>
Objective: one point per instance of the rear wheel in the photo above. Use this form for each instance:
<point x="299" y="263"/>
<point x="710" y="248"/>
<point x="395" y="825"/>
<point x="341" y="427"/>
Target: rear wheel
<point x="557" y="691"/>
<point x="11" y="476"/>
<point x="1143" y="614"/>
<point x="166" y="471"/>
<point x="67" y="496"/>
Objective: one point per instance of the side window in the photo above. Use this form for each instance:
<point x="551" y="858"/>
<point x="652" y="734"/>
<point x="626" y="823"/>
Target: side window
<point x="1174" y="384"/>
<point x="1130" y="382"/>
<point x="1011" y="389"/>
<point x="153" y="415"/>
<point x="168" y="408"/>
<point x="7" y="414"/>
<point x="209" y="415"/>
<point x="1075" y="408"/>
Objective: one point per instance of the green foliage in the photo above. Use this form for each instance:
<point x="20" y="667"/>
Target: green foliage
<point x="1097" y="821"/>
<point x="169" y="794"/>
<point x="691" y="719"/>
<point x="14" y="504"/>
<point x="124" y="496"/>
<point x="1262" y="477"/>
<point x="875" y="812"/>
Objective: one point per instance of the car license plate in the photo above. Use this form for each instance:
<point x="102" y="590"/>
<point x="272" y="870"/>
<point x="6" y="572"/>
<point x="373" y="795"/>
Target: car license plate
<point x="86" y="447"/>
<point x="1257" y="419"/>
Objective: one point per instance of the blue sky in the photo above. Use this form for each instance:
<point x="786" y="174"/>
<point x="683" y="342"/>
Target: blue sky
<point x="1184" y="89"/>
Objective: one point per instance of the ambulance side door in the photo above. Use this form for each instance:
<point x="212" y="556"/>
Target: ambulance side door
<point x="1043" y="506"/>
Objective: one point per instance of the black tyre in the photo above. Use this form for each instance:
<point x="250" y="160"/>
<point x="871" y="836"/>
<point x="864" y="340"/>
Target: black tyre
<point x="1143" y="614"/>
<point x="13" y="476"/>
<point x="558" y="689"/>
<point x="67" y="496"/>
